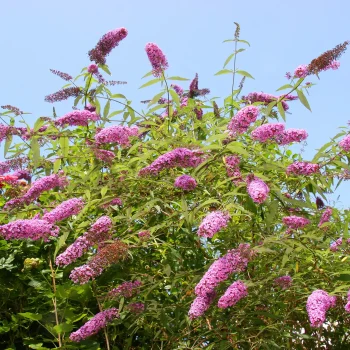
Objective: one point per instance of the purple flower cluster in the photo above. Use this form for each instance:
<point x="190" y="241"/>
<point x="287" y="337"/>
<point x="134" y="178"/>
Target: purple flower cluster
<point x="347" y="306"/>
<point x="185" y="182"/>
<point x="23" y="174"/>
<point x="144" y="235"/>
<point x="98" y="233"/>
<point x="234" y="293"/>
<point x="318" y="303"/>
<point x="257" y="189"/>
<point x="301" y="71"/>
<point x="213" y="223"/>
<point x="284" y="281"/>
<point x="179" y="157"/>
<point x="343" y="144"/>
<point x="115" y="201"/>
<point x="116" y="134"/>
<point x="241" y="121"/>
<point x="63" y="94"/>
<point x="302" y="168"/>
<point x="106" y="44"/>
<point x="295" y="222"/>
<point x="95" y="324"/>
<point x="62" y="75"/>
<point x="157" y="58"/>
<point x="267" y="132"/>
<point x="232" y="169"/>
<point x="178" y="89"/>
<point x="64" y="210"/>
<point x="104" y="156"/>
<point x="336" y="244"/>
<point x="30" y="228"/>
<point x="136" y="308"/>
<point x="235" y="260"/>
<point x="268" y="98"/>
<point x="126" y="289"/>
<point x="200" y="305"/>
<point x="325" y="217"/>
<point x="291" y="135"/>
<point x="12" y="164"/>
<point x="77" y="118"/>
<point x="46" y="183"/>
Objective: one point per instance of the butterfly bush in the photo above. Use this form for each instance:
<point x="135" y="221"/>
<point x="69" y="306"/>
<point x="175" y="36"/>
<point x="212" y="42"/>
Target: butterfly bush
<point x="200" y="305"/>
<point x="234" y="260"/>
<point x="99" y="232"/>
<point x="116" y="134"/>
<point x="213" y="223"/>
<point x="94" y="325"/>
<point x="115" y="201"/>
<point x="23" y="174"/>
<point x="106" y="44"/>
<point x="33" y="229"/>
<point x="234" y="293"/>
<point x="302" y="168"/>
<point x="257" y="189"/>
<point x="347" y="306"/>
<point x="267" y="132"/>
<point x="126" y="289"/>
<point x="295" y="222"/>
<point x="136" y="308"/>
<point x="179" y="157"/>
<point x="318" y="303"/>
<point x="178" y="89"/>
<point x="12" y="164"/>
<point x="232" y="169"/>
<point x="107" y="255"/>
<point x="64" y="210"/>
<point x="336" y="244"/>
<point x="144" y="235"/>
<point x="291" y="135"/>
<point x="345" y="143"/>
<point x="268" y="98"/>
<point x="63" y="94"/>
<point x="284" y="281"/>
<point x="46" y="183"/>
<point x="157" y="58"/>
<point x="77" y="118"/>
<point x="185" y="182"/>
<point x="242" y="120"/>
<point x="105" y="156"/>
<point x="301" y="71"/>
<point x="325" y="217"/>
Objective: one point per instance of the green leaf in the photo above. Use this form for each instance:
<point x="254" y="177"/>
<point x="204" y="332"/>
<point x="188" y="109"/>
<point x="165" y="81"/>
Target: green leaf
<point x="228" y="40"/>
<point x="147" y="74"/>
<point x="229" y="58"/>
<point x="156" y="98"/>
<point x="224" y="71"/>
<point x="175" y="97"/>
<point x="106" y="109"/>
<point x="150" y="82"/>
<point x="57" y="165"/>
<point x="303" y="99"/>
<point x="31" y="316"/>
<point x="286" y="86"/>
<point x="115" y="113"/>
<point x="243" y="41"/>
<point x="104" y="191"/>
<point x="7" y="144"/>
<point x="118" y="96"/>
<point x="244" y="73"/>
<point x="34" y="145"/>
<point x="64" y="143"/>
<point x="269" y="107"/>
<point x="105" y="68"/>
<point x="38" y="124"/>
<point x="281" y="110"/>
<point x="177" y="78"/>
<point x="63" y="328"/>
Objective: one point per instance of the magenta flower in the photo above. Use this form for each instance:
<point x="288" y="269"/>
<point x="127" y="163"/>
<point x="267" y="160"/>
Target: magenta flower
<point x="62" y="75"/>
<point x="318" y="303"/>
<point x="64" y="210"/>
<point x="268" y="98"/>
<point x="213" y="223"/>
<point x="144" y="235"/>
<point x="257" y="189"/>
<point x="115" y="201"/>
<point x="116" y="134"/>
<point x="200" y="305"/>
<point x="295" y="222"/>
<point x="302" y="168"/>
<point x="267" y="132"/>
<point x="77" y="118"/>
<point x="103" y="155"/>
<point x="126" y="289"/>
<point x="291" y="135"/>
<point x="106" y="44"/>
<point x="179" y="157"/>
<point x="12" y="164"/>
<point x="63" y="94"/>
<point x="336" y="244"/>
<point x="326" y="215"/>
<point x="94" y="325"/>
<point x="242" y="120"/>
<point x="136" y="308"/>
<point x="234" y="293"/>
<point x="347" y="306"/>
<point x="234" y="260"/>
<point x="157" y="58"/>
<point x="185" y="182"/>
<point x="301" y="71"/>
<point x="178" y="89"/>
<point x="345" y="143"/>
<point x="93" y="68"/>
<point x="31" y="228"/>
<point x="284" y="281"/>
<point x="232" y="169"/>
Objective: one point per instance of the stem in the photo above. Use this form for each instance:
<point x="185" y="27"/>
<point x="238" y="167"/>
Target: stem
<point x="167" y="89"/>
<point x="54" y="300"/>
<point x="233" y="77"/>
<point x="124" y="104"/>
<point x="101" y="309"/>
<point x="87" y="90"/>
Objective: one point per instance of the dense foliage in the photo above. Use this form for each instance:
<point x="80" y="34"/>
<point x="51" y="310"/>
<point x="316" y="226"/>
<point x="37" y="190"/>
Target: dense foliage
<point x="189" y="225"/>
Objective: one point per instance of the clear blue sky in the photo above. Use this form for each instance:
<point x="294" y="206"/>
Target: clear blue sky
<point x="39" y="35"/>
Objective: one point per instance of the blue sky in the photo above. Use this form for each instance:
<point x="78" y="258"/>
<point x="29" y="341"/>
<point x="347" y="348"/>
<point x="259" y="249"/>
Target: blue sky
<point x="39" y="35"/>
